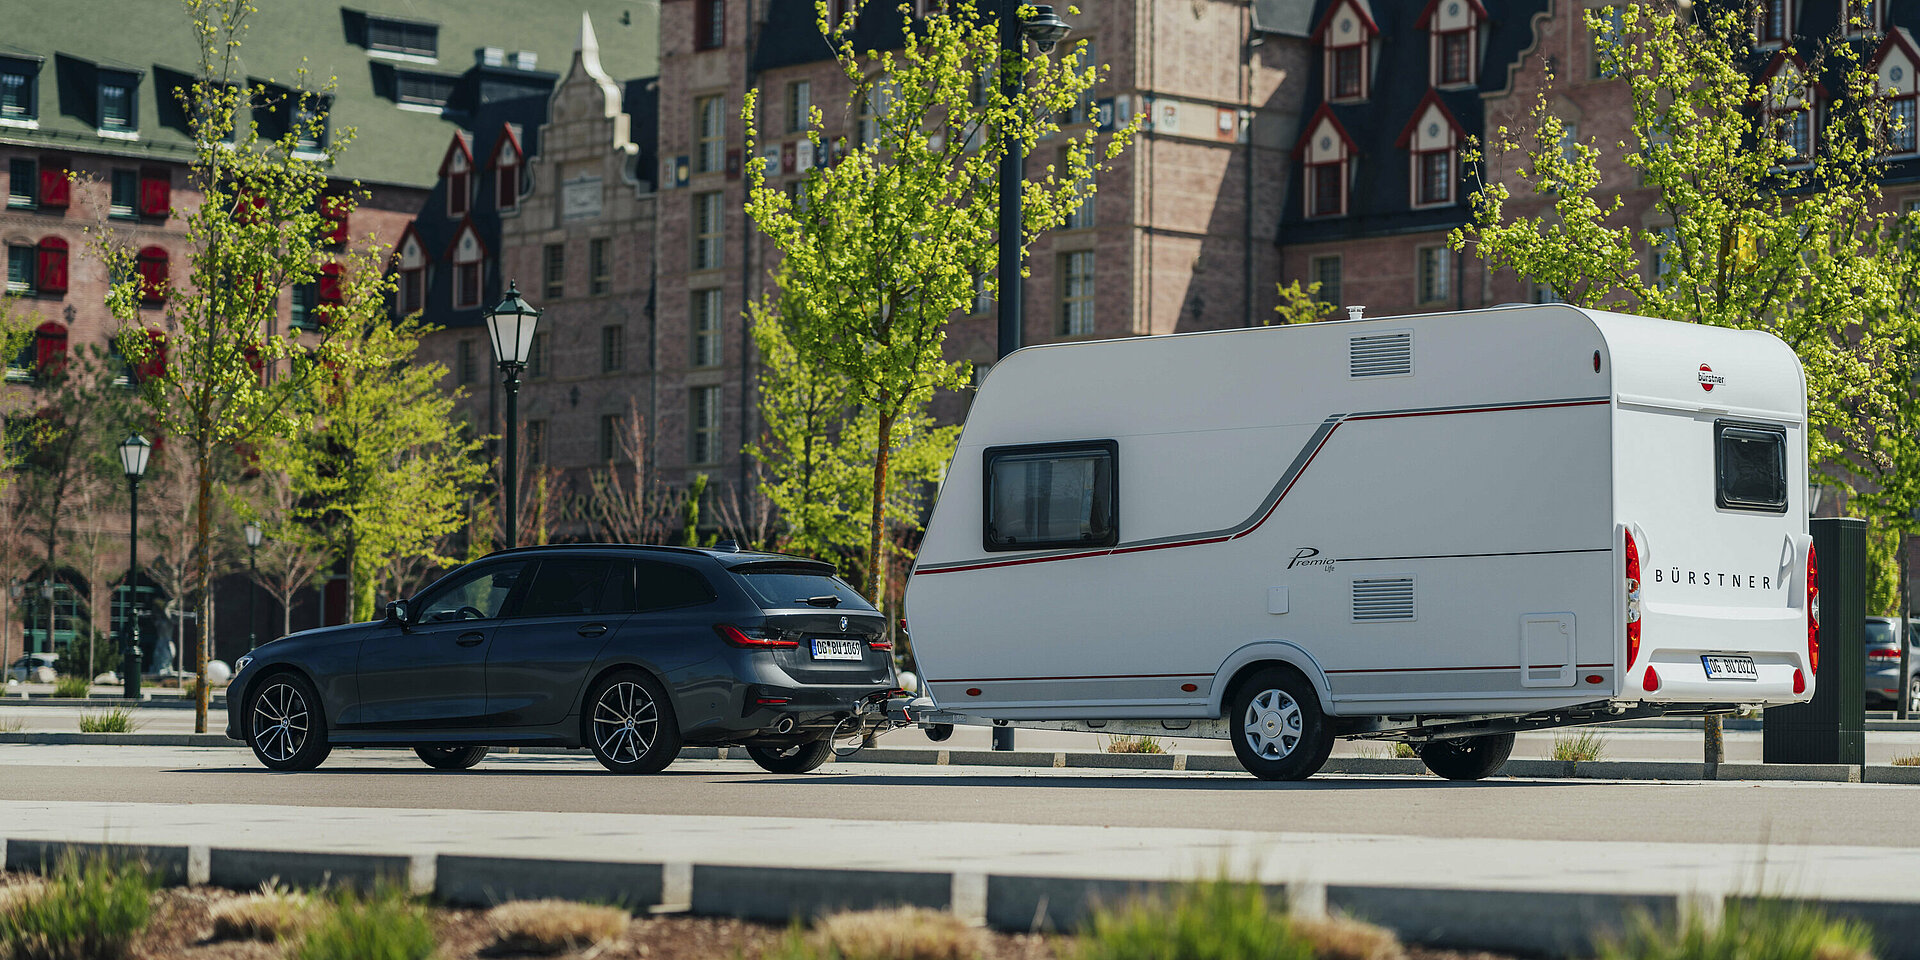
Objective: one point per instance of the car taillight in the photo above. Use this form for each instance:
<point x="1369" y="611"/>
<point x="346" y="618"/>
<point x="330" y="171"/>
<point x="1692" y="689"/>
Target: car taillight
<point x="1813" y="613"/>
<point x="880" y="644"/>
<point x="751" y="639"/>
<point x="1883" y="653"/>
<point x="1633" y="601"/>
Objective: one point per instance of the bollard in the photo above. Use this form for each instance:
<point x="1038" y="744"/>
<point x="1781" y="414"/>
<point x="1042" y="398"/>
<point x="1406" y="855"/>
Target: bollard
<point x="1831" y="728"/>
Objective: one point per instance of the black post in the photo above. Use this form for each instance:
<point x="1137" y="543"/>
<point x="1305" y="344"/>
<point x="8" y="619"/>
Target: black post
<point x="511" y="373"/>
<point x="253" y="597"/>
<point x="1012" y="179"/>
<point x="130" y="659"/>
<point x="1831" y="728"/>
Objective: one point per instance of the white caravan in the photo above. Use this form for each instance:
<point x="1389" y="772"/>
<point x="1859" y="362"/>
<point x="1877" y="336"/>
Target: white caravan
<point x="1437" y="529"/>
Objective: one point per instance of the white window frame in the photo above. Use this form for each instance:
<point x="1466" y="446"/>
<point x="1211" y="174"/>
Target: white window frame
<point x="1424" y="277"/>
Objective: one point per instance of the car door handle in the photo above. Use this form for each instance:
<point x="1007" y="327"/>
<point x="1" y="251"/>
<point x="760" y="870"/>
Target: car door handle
<point x="593" y="629"/>
<point x="471" y="639"/>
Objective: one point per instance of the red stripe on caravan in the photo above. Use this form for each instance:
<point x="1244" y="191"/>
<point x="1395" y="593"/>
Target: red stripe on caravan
<point x="1116" y="676"/>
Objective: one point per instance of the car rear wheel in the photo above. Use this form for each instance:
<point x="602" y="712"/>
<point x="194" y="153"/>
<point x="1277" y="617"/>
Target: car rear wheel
<point x="1279" y="732"/>
<point x="630" y="724"/>
<point x="1469" y="758"/>
<point x="1913" y="696"/>
<point x="284" y="725"/>
<point x="793" y="757"/>
<point x="451" y="758"/>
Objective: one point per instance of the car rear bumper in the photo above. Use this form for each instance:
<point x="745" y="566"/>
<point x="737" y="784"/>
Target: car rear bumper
<point x="801" y="712"/>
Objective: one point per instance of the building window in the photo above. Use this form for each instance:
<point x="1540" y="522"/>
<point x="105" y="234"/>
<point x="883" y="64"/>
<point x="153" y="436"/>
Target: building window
<point x="1544" y="293"/>
<point x="1434" y="268"/>
<point x="1775" y="17"/>
<point x="610" y="430"/>
<point x="457" y="195"/>
<point x="1076" y="294"/>
<point x="399" y="36"/>
<point x="1456" y="57"/>
<point x="413" y="290"/>
<point x="537" y="356"/>
<point x="507" y="184"/>
<point x="799" y="105"/>
<point x="1326" y="183"/>
<point x="797" y="196"/>
<point x="301" y="316"/>
<point x="1796" y="131"/>
<point x="465" y="367"/>
<point x="1080" y="217"/>
<point x="126" y="194"/>
<point x="1612" y="31"/>
<point x="22" y="181"/>
<point x="423" y="89"/>
<point x="553" y="268"/>
<point x="117" y="107"/>
<point x="982" y="297"/>
<point x="536" y="441"/>
<point x="710" y="25"/>
<point x="19" y="96"/>
<point x="1350" y="73"/>
<point x="20" y="269"/>
<point x="703" y="425"/>
<point x="1325" y="271"/>
<point x="613" y="349"/>
<point x="1901" y="117"/>
<point x="706" y="328"/>
<point x="709" y="134"/>
<point x="1861" y="16"/>
<point x="1434" y="170"/>
<point x="874" y="107"/>
<point x="309" y="119"/>
<point x="600" y="269"/>
<point x="708" y="223"/>
<point x="151" y="267"/>
<point x="466" y="294"/>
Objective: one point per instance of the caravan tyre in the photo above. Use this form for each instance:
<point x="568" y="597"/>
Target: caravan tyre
<point x="1279" y="732"/>
<point x="1470" y="758"/>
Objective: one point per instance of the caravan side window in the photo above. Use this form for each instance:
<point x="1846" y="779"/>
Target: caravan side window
<point x="1043" y="496"/>
<point x="1751" y="463"/>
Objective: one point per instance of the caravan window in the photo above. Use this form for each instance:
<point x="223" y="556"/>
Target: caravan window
<point x="1052" y="495"/>
<point x="1751" y="461"/>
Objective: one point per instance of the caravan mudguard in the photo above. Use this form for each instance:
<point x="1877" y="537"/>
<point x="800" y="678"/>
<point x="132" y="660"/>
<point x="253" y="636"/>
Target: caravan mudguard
<point x="1268" y="651"/>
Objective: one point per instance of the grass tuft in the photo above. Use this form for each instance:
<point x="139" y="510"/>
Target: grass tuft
<point x="1144" y="744"/>
<point x="273" y="915"/>
<point x="87" y="910"/>
<point x="553" y="926"/>
<point x="386" y="925"/>
<point x="114" y="720"/>
<point x="1213" y="920"/>
<point x="1766" y="930"/>
<point x="1912" y="760"/>
<point x="1579" y="747"/>
<point x="1336" y="937"/>
<point x="905" y="933"/>
<point x="72" y="688"/>
<point x="12" y="724"/>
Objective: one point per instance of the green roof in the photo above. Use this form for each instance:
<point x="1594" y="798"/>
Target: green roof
<point x="75" y="40"/>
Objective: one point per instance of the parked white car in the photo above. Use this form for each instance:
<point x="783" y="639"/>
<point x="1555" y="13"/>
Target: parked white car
<point x="35" y="668"/>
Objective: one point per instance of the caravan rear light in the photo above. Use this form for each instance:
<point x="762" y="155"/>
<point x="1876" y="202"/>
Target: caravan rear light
<point x="1633" y="601"/>
<point x="1651" y="682"/>
<point x="755" y="639"/>
<point x="1813" y="613"/>
<point x="1799" y="681"/>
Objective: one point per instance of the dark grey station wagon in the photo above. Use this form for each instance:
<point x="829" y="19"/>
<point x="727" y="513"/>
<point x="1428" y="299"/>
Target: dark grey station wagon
<point x="630" y="651"/>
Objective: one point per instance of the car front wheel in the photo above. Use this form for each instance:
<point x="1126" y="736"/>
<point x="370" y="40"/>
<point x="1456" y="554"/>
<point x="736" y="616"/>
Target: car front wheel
<point x="793" y="757"/>
<point x="630" y="724"/>
<point x="284" y="724"/>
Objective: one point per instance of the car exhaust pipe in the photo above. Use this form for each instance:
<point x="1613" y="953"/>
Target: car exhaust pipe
<point x="784" y="726"/>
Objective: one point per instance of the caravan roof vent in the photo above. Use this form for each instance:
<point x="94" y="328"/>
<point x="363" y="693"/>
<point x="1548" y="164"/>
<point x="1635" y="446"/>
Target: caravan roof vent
<point x="1380" y="355"/>
<point x="1383" y="599"/>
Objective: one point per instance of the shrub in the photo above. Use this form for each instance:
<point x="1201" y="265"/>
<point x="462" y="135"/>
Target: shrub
<point x="1766" y="930"/>
<point x="551" y="926"/>
<point x="1135" y="745"/>
<point x="905" y="933"/>
<point x="115" y="720"/>
<point x="1907" y="761"/>
<point x="1579" y="747"/>
<point x="385" y="925"/>
<point x="1214" y="920"/>
<point x="1403" y="750"/>
<point x="88" y="910"/>
<point x="274" y="914"/>
<point x="72" y="688"/>
<point x="1336" y="937"/>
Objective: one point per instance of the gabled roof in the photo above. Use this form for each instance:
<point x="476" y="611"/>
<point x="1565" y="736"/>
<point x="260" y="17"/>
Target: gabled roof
<point x="1782" y="58"/>
<point x="453" y="245"/>
<point x="1898" y="36"/>
<point x="426" y="252"/>
<point x="458" y="148"/>
<point x="1313" y="123"/>
<point x="509" y="139"/>
<point x="1432" y="99"/>
<point x="1433" y="7"/>
<point x="1359" y="9"/>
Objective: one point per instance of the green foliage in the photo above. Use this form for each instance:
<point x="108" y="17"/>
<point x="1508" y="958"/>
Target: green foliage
<point x="73" y="687"/>
<point x="1301" y="304"/>
<point x="1883" y="571"/>
<point x="1142" y="744"/>
<point x="384" y="925"/>
<point x="111" y="720"/>
<point x="895" y="231"/>
<point x="1764" y="930"/>
<point x="88" y="910"/>
<point x="1579" y="746"/>
<point x="690" y="511"/>
<point x="1210" y="920"/>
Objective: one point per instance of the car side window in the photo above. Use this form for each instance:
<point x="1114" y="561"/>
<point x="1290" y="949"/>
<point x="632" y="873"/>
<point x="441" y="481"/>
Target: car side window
<point x="665" y="586"/>
<point x="565" y="587"/>
<point x="480" y="595"/>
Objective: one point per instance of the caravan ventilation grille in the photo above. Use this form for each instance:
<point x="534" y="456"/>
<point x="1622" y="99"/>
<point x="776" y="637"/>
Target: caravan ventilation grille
<point x="1380" y="355"/>
<point x="1383" y="599"/>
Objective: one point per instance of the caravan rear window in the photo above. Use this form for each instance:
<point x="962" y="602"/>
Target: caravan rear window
<point x="1052" y="495"/>
<point x="1751" y="460"/>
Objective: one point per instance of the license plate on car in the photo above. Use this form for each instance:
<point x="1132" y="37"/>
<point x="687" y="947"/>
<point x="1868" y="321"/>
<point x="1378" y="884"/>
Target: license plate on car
<point x="839" y="650"/>
<point x="1730" y="668"/>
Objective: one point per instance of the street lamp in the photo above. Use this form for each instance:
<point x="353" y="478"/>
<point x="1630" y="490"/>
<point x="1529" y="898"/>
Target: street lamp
<point x="1045" y="30"/>
<point x="253" y="585"/>
<point x="134" y="451"/>
<point x="511" y="325"/>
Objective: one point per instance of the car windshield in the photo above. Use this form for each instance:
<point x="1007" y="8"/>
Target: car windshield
<point x="1879" y="631"/>
<point x="795" y="586"/>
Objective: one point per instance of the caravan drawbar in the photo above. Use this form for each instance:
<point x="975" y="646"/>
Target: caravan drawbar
<point x="1437" y="529"/>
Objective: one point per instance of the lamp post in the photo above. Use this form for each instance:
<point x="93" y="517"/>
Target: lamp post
<point x="511" y="326"/>
<point x="1045" y="30"/>
<point x="253" y="585"/>
<point x="134" y="451"/>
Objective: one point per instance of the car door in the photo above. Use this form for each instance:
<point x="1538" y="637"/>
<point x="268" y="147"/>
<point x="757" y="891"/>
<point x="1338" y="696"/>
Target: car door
<point x="430" y="672"/>
<point x="540" y="657"/>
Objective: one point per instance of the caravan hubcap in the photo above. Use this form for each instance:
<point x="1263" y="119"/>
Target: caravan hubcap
<point x="1273" y="724"/>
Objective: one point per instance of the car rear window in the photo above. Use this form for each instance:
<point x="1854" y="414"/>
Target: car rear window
<point x="779" y="587"/>
<point x="1879" y="631"/>
<point x="1751" y="461"/>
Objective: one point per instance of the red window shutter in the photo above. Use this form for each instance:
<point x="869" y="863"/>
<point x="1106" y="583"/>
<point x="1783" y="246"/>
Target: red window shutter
<point x="50" y="347"/>
<point x="156" y="365"/>
<point x="152" y="266"/>
<point x="53" y="266"/>
<point x="55" y="189"/>
<point x="335" y="209"/>
<point x="155" y="194"/>
<point x="330" y="276"/>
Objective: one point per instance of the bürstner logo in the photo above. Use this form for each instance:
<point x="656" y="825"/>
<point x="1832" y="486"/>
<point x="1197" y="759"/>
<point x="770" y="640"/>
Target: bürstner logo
<point x="1709" y="379"/>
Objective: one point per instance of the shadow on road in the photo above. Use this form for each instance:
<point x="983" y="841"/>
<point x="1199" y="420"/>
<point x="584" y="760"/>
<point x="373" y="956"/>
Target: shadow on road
<point x="1153" y="783"/>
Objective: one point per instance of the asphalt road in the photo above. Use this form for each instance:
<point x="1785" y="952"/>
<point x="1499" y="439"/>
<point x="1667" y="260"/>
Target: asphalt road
<point x="1743" y="813"/>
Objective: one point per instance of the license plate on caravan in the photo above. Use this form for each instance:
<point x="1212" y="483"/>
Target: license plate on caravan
<point x="838" y="650"/>
<point x="1730" y="668"/>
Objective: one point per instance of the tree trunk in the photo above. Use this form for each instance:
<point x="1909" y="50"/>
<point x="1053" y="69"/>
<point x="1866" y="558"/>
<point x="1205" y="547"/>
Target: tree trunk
<point x="876" y="547"/>
<point x="203" y="548"/>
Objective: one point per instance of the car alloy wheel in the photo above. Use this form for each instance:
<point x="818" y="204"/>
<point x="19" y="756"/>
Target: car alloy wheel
<point x="284" y="725"/>
<point x="630" y="724"/>
<point x="792" y="758"/>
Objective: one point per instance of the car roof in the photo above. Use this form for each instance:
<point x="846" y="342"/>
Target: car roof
<point x="727" y="558"/>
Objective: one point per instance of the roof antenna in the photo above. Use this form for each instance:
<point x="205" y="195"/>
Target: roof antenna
<point x="1354" y="313"/>
<point x="727" y="546"/>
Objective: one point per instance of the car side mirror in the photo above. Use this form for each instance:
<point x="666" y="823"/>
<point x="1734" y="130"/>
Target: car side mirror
<point x="397" y="613"/>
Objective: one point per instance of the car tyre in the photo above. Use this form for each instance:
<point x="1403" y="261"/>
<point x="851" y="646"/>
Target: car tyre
<point x="1913" y="696"/>
<point x="284" y="724"/>
<point x="451" y="758"/>
<point x="1470" y="758"/>
<point x="1279" y="731"/>
<point x="792" y="757"/>
<point x="630" y="724"/>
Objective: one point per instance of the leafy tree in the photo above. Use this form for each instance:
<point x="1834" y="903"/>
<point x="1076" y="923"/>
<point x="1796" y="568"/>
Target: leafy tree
<point x="291" y="555"/>
<point x="894" y="232"/>
<point x="626" y="502"/>
<point x="1301" y="304"/>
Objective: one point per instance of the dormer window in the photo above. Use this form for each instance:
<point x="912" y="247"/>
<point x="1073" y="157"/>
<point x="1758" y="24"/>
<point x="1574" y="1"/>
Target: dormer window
<point x="1456" y="58"/>
<point x="19" y="90"/>
<point x="118" y="111"/>
<point x="1453" y="51"/>
<point x="1345" y="36"/>
<point x="1432" y="141"/>
<point x="1790" y="106"/>
<point x="1350" y="73"/>
<point x="469" y="256"/>
<point x="1326" y="154"/>
<point x="404" y="37"/>
<point x="1894" y="67"/>
<point x="413" y="273"/>
<point x="1858" y="18"/>
<point x="1776" y="21"/>
<point x="456" y="168"/>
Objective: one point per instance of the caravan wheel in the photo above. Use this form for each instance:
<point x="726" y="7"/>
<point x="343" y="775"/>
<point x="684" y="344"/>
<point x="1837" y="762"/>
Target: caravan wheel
<point x="1279" y="732"/>
<point x="1470" y="758"/>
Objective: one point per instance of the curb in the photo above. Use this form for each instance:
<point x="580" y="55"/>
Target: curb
<point x="1522" y="922"/>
